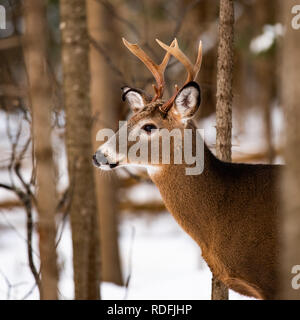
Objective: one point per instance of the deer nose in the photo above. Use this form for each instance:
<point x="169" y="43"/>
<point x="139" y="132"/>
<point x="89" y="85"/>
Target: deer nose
<point x="95" y="161"/>
<point x="99" y="159"/>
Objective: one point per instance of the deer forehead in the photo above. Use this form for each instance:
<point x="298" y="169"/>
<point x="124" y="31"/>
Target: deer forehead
<point x="134" y="128"/>
<point x="151" y="114"/>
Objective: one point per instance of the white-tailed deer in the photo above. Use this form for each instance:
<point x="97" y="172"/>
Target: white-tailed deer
<point x="230" y="209"/>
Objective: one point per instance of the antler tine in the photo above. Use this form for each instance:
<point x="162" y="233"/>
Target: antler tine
<point x="180" y="56"/>
<point x="156" y="70"/>
<point x="198" y="63"/>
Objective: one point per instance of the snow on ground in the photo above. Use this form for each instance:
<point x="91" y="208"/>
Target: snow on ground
<point x="165" y="262"/>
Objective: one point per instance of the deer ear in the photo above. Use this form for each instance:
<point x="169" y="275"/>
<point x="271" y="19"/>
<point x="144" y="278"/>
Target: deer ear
<point x="188" y="100"/>
<point x="136" y="98"/>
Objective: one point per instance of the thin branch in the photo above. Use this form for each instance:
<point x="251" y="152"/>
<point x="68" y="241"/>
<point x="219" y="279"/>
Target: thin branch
<point x="7" y="187"/>
<point x="110" y="8"/>
<point x="107" y="58"/>
<point x="29" y="292"/>
<point x="26" y="200"/>
<point x="129" y="264"/>
<point x="25" y="197"/>
<point x="65" y="204"/>
<point x="180" y="20"/>
<point x="10" y="286"/>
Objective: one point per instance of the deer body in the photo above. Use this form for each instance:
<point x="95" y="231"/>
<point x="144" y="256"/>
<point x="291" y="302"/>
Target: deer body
<point x="230" y="209"/>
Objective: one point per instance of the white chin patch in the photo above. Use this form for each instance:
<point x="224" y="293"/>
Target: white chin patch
<point x="105" y="168"/>
<point x="152" y="170"/>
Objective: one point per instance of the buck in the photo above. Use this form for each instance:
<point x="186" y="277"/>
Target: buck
<point x="230" y="209"/>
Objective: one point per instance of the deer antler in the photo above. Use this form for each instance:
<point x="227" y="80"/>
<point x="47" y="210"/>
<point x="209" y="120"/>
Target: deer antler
<point x="179" y="55"/>
<point x="156" y="70"/>
<point x="192" y="70"/>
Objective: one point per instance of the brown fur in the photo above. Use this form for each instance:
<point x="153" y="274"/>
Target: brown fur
<point x="231" y="211"/>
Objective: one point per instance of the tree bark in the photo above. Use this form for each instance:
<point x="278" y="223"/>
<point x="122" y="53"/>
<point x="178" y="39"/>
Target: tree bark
<point x="40" y="96"/>
<point x="104" y="101"/>
<point x="224" y="80"/>
<point x="83" y="210"/>
<point x="224" y="103"/>
<point x="290" y="253"/>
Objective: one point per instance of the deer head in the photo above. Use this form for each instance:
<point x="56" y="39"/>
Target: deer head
<point x="151" y="116"/>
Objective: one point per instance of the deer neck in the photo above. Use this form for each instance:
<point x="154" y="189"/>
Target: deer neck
<point x="189" y="198"/>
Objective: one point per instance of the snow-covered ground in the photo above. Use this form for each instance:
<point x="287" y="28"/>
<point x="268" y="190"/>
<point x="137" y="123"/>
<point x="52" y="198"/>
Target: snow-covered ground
<point x="165" y="262"/>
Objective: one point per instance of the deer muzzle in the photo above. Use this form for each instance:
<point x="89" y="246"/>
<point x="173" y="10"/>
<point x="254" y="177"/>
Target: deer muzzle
<point x="100" y="161"/>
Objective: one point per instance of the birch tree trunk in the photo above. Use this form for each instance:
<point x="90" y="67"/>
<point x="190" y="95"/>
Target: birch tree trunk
<point x="104" y="101"/>
<point x="83" y="211"/>
<point x="40" y="96"/>
<point x="224" y="103"/>
<point x="290" y="253"/>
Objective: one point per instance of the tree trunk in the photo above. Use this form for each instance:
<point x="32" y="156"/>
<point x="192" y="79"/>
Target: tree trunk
<point x="290" y="253"/>
<point x="83" y="210"/>
<point x="40" y="96"/>
<point x="224" y="103"/>
<point x="104" y="101"/>
<point x="224" y="80"/>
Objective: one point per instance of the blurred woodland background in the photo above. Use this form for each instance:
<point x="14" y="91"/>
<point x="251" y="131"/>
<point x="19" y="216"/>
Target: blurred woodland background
<point x="60" y="80"/>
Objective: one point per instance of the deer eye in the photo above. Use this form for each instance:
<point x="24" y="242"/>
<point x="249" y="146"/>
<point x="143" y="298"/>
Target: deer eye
<point x="148" y="128"/>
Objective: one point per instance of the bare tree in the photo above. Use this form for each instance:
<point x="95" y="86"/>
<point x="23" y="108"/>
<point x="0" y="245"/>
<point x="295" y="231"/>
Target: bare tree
<point x="40" y="96"/>
<point x="83" y="208"/>
<point x="290" y="253"/>
<point x="105" y="114"/>
<point x="224" y="103"/>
